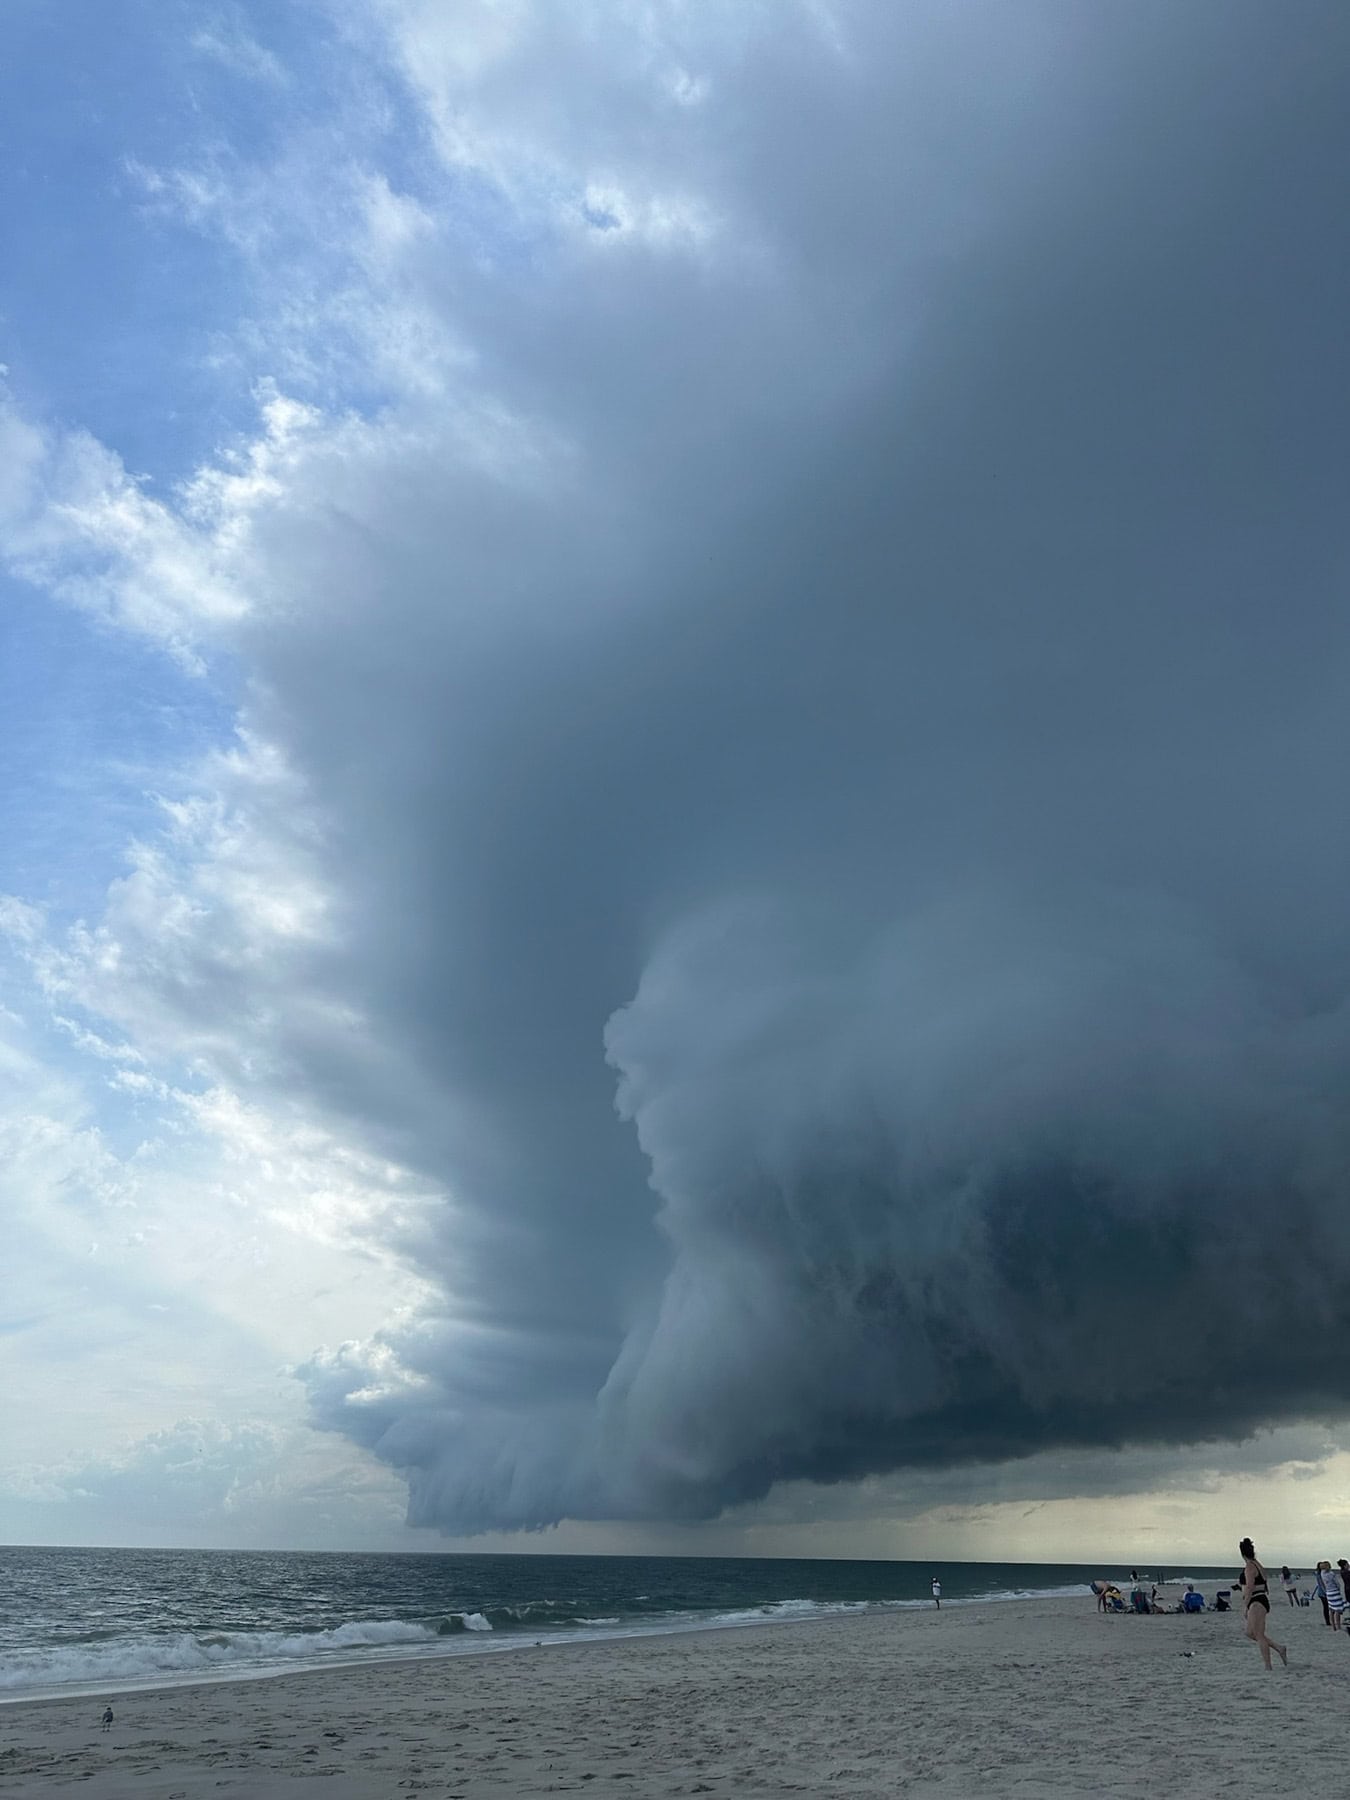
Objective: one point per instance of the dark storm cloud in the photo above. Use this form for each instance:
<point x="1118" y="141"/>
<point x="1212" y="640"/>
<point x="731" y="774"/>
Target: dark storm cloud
<point x="905" y="762"/>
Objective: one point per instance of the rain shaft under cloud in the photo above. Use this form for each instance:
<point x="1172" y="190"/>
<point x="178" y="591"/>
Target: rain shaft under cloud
<point x="825" y="740"/>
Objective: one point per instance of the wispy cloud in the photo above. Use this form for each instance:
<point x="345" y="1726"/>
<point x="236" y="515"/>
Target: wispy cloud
<point x="226" y="40"/>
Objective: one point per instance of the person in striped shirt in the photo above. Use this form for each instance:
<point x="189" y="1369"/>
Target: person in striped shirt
<point x="1333" y="1594"/>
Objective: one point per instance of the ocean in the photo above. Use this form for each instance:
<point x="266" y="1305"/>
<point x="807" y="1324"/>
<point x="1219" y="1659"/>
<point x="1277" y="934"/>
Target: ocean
<point x="80" y="1621"/>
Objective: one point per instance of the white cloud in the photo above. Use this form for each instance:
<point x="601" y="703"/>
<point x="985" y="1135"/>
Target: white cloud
<point x="227" y="41"/>
<point x="489" y="82"/>
<point x="182" y="1251"/>
<point x="90" y="1041"/>
<point x="77" y="523"/>
<point x="204" y="1481"/>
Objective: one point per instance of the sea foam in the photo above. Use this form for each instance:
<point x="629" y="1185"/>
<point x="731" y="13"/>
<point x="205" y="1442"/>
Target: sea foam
<point x="142" y="1659"/>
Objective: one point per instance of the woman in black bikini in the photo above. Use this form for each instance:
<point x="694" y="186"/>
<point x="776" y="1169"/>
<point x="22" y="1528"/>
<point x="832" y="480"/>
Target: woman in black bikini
<point x="1256" y="1592"/>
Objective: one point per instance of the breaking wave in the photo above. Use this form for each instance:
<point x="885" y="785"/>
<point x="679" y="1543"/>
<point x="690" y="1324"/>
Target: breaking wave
<point x="141" y="1660"/>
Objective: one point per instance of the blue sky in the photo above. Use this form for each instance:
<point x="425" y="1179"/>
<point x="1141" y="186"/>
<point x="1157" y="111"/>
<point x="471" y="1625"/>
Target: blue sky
<point x="102" y="302"/>
<point x="670" y="720"/>
<point x="122" y="314"/>
<point x="114" y="319"/>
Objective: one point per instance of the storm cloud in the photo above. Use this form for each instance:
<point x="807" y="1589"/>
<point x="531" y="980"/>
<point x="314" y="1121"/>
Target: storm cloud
<point x="824" y="734"/>
<point x="915" y="761"/>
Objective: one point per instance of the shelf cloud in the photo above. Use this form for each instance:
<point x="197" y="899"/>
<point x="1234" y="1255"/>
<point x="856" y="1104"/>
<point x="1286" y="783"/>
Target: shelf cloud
<point x="792" y="669"/>
<point x="873" y="873"/>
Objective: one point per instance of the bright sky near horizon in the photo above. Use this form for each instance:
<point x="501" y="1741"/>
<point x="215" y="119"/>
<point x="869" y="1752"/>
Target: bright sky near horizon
<point x="673" y="713"/>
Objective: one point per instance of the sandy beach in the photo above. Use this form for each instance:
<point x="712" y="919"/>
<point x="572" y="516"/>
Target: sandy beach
<point x="1028" y="1698"/>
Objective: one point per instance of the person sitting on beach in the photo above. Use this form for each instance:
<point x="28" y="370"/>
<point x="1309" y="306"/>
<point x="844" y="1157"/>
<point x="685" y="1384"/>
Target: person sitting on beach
<point x="1192" y="1602"/>
<point x="1221" y="1601"/>
<point x="1256" y="1593"/>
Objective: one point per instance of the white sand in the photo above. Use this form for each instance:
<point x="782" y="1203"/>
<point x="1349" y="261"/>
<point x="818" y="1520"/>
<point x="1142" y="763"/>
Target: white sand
<point x="1027" y="1698"/>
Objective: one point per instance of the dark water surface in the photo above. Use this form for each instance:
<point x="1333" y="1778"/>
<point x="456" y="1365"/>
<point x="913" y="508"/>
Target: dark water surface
<point x="75" y="1620"/>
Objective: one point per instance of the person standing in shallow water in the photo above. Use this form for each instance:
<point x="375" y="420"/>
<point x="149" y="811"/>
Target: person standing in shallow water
<point x="1256" y="1593"/>
<point x="937" y="1593"/>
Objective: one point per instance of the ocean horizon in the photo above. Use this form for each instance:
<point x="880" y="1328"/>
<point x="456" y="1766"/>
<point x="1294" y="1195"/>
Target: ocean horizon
<point x="83" y="1619"/>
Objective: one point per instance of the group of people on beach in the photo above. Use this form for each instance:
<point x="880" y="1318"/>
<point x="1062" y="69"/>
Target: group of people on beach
<point x="1332" y="1585"/>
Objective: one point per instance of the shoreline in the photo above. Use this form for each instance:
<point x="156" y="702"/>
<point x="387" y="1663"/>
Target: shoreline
<point x="489" y="1645"/>
<point x="1043" y="1696"/>
<point x="457" y="1645"/>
